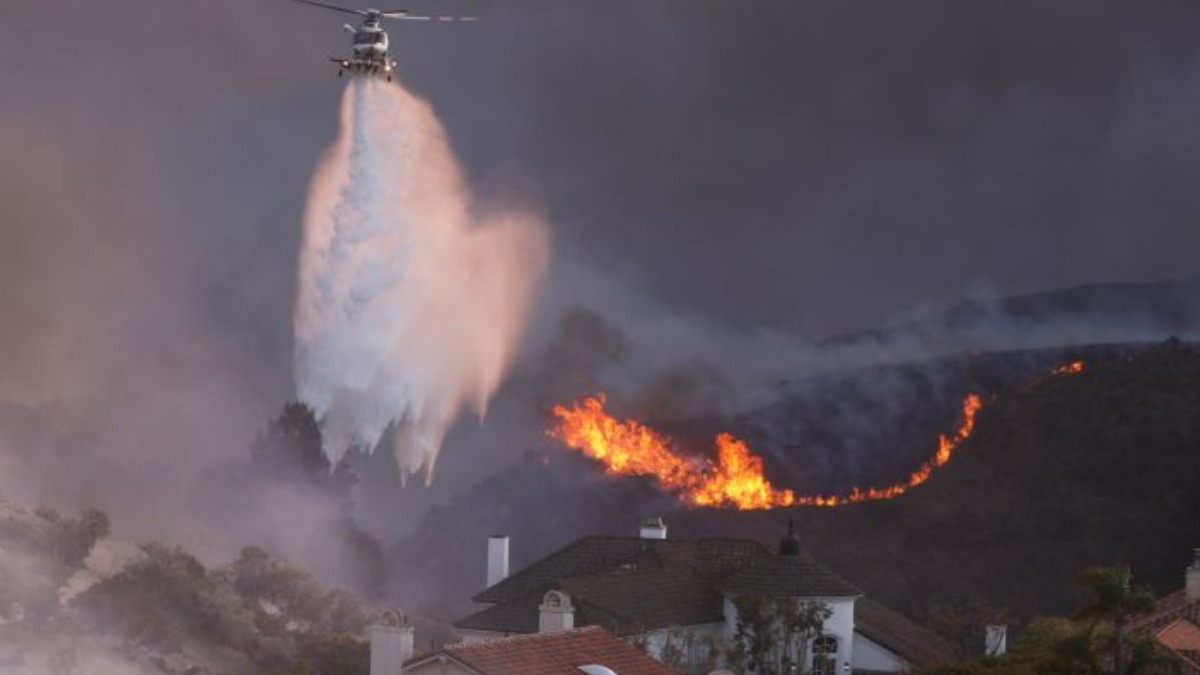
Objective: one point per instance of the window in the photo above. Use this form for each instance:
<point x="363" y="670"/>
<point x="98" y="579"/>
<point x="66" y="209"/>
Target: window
<point x="366" y="37"/>
<point x="824" y="650"/>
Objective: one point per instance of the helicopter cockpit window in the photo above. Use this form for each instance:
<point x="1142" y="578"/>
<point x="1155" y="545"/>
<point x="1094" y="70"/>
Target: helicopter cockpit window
<point x="368" y="38"/>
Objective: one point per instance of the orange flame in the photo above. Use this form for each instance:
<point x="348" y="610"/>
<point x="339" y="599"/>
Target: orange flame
<point x="1072" y="368"/>
<point x="735" y="478"/>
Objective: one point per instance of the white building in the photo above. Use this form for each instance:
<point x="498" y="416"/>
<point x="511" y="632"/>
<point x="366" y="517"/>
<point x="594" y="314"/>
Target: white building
<point x="679" y="599"/>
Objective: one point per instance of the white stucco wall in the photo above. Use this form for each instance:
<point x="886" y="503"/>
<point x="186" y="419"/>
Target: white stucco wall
<point x="697" y="641"/>
<point x="870" y="655"/>
<point x="840" y="624"/>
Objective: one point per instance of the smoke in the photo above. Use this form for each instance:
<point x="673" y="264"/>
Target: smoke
<point x="411" y="297"/>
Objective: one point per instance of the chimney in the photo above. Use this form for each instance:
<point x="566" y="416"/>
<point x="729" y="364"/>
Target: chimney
<point x="391" y="643"/>
<point x="497" y="560"/>
<point x="1192" y="587"/>
<point x="996" y="641"/>
<point x="653" y="528"/>
<point x="555" y="613"/>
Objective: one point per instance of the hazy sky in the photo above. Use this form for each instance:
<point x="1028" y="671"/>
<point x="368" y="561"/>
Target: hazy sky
<point x="803" y="166"/>
<point x="816" y="166"/>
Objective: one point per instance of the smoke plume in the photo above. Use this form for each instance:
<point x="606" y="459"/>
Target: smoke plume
<point x="411" y="296"/>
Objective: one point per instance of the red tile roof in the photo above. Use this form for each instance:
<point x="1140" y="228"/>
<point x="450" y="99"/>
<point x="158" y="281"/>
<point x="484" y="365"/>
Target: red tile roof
<point x="552" y="654"/>
<point x="1173" y="623"/>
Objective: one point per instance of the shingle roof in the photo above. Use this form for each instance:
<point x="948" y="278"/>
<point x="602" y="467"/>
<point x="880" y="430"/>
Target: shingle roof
<point x="552" y="654"/>
<point x="641" y="600"/>
<point x="892" y="630"/>
<point x="590" y="555"/>
<point x="625" y="584"/>
<point x="622" y="601"/>
<point x="788" y="576"/>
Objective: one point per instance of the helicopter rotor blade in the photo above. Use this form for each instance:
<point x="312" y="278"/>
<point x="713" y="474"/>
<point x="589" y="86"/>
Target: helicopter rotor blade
<point x="404" y="15"/>
<point x="335" y="8"/>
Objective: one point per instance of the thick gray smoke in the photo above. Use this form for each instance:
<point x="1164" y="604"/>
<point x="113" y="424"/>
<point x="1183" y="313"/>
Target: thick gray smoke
<point x="411" y="300"/>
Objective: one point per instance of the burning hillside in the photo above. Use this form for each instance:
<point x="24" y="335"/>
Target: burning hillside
<point x="734" y="476"/>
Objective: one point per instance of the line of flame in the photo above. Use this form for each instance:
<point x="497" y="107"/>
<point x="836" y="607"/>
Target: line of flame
<point x="735" y="478"/>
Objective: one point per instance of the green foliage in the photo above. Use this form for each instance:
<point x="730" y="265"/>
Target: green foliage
<point x="274" y="613"/>
<point x="1113" y="599"/>
<point x="964" y="624"/>
<point x="772" y="634"/>
<point x="1091" y="643"/>
<point x="1113" y="595"/>
<point x="285" y="596"/>
<point x="336" y="654"/>
<point x="1060" y="646"/>
<point x="684" y="649"/>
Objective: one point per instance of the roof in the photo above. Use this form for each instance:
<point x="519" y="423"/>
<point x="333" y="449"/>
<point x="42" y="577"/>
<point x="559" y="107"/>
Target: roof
<point x="590" y="555"/>
<point x="625" y="584"/>
<point x="629" y="585"/>
<point x="789" y="576"/>
<point x="559" y="653"/>
<point x="1174" y="623"/>
<point x="901" y="636"/>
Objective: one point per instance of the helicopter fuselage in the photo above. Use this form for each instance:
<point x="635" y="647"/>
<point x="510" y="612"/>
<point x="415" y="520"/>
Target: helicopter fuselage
<point x="369" y="53"/>
<point x="369" y="50"/>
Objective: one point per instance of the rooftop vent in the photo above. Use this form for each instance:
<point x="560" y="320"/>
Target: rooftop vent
<point x="790" y="545"/>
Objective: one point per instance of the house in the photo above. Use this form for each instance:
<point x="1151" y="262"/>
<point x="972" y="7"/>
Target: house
<point x="1174" y="623"/>
<point x="581" y="651"/>
<point x="680" y="600"/>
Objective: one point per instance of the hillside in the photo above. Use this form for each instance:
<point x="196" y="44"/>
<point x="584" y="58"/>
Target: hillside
<point x="1060" y="473"/>
<point x="74" y="601"/>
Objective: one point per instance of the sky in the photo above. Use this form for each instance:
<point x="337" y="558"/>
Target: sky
<point x="792" y="167"/>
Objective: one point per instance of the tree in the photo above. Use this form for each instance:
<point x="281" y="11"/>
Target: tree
<point x="291" y="449"/>
<point x="965" y="624"/>
<point x="772" y="634"/>
<point x="1114" y="599"/>
<point x="75" y="537"/>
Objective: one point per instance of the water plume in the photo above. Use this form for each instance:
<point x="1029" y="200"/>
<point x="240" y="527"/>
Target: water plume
<point x="411" y="296"/>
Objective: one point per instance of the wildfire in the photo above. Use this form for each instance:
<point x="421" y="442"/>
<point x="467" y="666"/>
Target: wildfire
<point x="1072" y="368"/>
<point x="734" y="478"/>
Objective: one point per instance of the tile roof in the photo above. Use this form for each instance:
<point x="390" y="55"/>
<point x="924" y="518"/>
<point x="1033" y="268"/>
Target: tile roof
<point x="897" y="633"/>
<point x="552" y="654"/>
<point x="1173" y="623"/>
<point x="791" y="576"/>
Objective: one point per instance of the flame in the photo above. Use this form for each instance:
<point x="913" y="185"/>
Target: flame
<point x="734" y="478"/>
<point x="1072" y="368"/>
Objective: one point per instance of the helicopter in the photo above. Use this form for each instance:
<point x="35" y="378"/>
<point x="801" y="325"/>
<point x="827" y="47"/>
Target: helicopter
<point x="369" y="51"/>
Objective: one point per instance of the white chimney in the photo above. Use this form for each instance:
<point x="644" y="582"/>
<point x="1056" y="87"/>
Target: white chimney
<point x="391" y="643"/>
<point x="1192" y="587"/>
<point x="497" y="562"/>
<point x="555" y="613"/>
<point x="996" y="642"/>
<point x="653" y="528"/>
